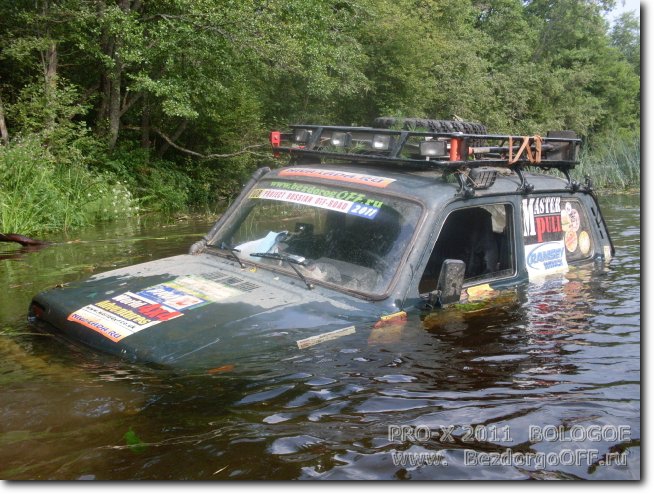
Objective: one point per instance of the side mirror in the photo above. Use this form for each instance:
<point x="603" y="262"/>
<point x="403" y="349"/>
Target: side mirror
<point x="450" y="283"/>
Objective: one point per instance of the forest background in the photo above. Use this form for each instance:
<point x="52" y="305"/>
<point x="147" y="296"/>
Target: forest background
<point x="111" y="108"/>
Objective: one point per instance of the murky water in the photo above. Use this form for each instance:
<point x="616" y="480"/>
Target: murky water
<point x="543" y="384"/>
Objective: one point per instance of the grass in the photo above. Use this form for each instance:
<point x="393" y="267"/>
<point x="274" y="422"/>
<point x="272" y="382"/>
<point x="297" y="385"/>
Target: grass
<point x="39" y="194"/>
<point x="612" y="163"/>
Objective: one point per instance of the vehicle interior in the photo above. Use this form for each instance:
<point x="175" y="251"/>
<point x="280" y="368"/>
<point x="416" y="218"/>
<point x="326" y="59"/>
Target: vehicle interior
<point x="481" y="237"/>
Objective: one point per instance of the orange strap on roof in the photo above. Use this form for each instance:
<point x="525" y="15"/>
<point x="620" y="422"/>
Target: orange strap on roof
<point x="525" y="147"/>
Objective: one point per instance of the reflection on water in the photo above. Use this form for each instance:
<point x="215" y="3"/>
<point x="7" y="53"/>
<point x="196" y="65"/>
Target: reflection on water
<point x="558" y="357"/>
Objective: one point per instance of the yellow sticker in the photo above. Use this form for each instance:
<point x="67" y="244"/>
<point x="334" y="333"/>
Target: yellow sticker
<point x="321" y="338"/>
<point x="584" y="243"/>
<point x="480" y="292"/>
<point x="571" y="240"/>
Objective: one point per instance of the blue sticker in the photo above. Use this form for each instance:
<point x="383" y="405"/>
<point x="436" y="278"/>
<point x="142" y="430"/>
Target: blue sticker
<point x="362" y="210"/>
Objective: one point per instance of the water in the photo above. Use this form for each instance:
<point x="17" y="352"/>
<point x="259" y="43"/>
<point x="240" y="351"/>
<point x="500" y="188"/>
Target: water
<point x="544" y="383"/>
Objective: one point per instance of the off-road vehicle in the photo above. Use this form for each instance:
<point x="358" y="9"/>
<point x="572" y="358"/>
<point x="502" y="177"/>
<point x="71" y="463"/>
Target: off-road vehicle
<point x="363" y="226"/>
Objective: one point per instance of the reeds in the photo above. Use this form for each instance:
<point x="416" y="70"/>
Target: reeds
<point x="612" y="163"/>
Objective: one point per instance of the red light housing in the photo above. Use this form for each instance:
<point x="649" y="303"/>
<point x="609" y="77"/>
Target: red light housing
<point x="276" y="138"/>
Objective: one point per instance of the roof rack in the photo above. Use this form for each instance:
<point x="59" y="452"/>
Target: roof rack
<point x="454" y="152"/>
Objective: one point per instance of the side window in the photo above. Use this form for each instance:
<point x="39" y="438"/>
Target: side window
<point x="556" y="231"/>
<point x="481" y="237"/>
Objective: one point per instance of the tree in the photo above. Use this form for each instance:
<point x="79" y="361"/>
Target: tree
<point x="625" y="36"/>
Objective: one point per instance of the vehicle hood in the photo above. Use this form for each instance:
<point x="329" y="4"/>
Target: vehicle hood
<point x="195" y="309"/>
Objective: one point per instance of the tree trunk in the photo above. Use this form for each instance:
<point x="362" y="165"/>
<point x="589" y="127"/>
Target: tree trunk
<point x="115" y="82"/>
<point x="105" y="83"/>
<point x="145" y="123"/>
<point x="50" y="64"/>
<point x="4" y="134"/>
<point x="114" y="101"/>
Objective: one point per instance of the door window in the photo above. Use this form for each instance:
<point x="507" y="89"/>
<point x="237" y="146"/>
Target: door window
<point x="481" y="237"/>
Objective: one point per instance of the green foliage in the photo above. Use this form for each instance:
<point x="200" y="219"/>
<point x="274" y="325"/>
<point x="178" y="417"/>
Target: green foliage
<point x="111" y="199"/>
<point x="625" y="37"/>
<point x="134" y="442"/>
<point x="156" y="104"/>
<point x="164" y="188"/>
<point x="37" y="195"/>
<point x="156" y="185"/>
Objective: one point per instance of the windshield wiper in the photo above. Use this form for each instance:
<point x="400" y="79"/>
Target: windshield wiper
<point x="232" y="250"/>
<point x="291" y="259"/>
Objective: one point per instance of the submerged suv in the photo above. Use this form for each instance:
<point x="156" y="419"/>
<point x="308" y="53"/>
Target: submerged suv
<point x="363" y="226"/>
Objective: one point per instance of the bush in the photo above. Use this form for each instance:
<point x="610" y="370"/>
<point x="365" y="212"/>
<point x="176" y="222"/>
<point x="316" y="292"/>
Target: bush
<point x="110" y="200"/>
<point x="37" y="195"/>
<point x="163" y="188"/>
<point x="41" y="193"/>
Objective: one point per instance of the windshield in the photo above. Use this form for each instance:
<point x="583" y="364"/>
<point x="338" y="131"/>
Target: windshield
<point x="341" y="236"/>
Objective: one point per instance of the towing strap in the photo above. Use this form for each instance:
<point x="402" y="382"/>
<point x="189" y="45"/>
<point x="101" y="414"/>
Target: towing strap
<point x="525" y="147"/>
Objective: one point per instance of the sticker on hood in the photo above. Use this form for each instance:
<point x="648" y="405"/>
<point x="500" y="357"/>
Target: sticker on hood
<point x="130" y="312"/>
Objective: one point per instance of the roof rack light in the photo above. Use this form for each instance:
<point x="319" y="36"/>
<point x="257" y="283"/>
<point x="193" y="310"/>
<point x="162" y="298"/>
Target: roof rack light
<point x="381" y="142"/>
<point x="302" y="136"/>
<point x="433" y="148"/>
<point x="341" y="139"/>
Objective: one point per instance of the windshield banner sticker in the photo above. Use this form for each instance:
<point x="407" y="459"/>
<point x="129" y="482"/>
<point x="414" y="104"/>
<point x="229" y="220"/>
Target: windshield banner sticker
<point x="346" y="195"/>
<point x="355" y="178"/>
<point x="545" y="258"/>
<point x="323" y="202"/>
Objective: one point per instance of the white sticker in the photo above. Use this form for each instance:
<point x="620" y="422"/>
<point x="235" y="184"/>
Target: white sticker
<point x="318" y="201"/>
<point x="123" y="315"/>
<point x="203" y="288"/>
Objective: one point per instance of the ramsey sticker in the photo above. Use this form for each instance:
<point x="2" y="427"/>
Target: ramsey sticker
<point x="323" y="202"/>
<point x="546" y="258"/>
<point x="355" y="178"/>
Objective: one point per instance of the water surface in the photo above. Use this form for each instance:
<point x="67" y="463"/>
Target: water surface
<point x="560" y="359"/>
